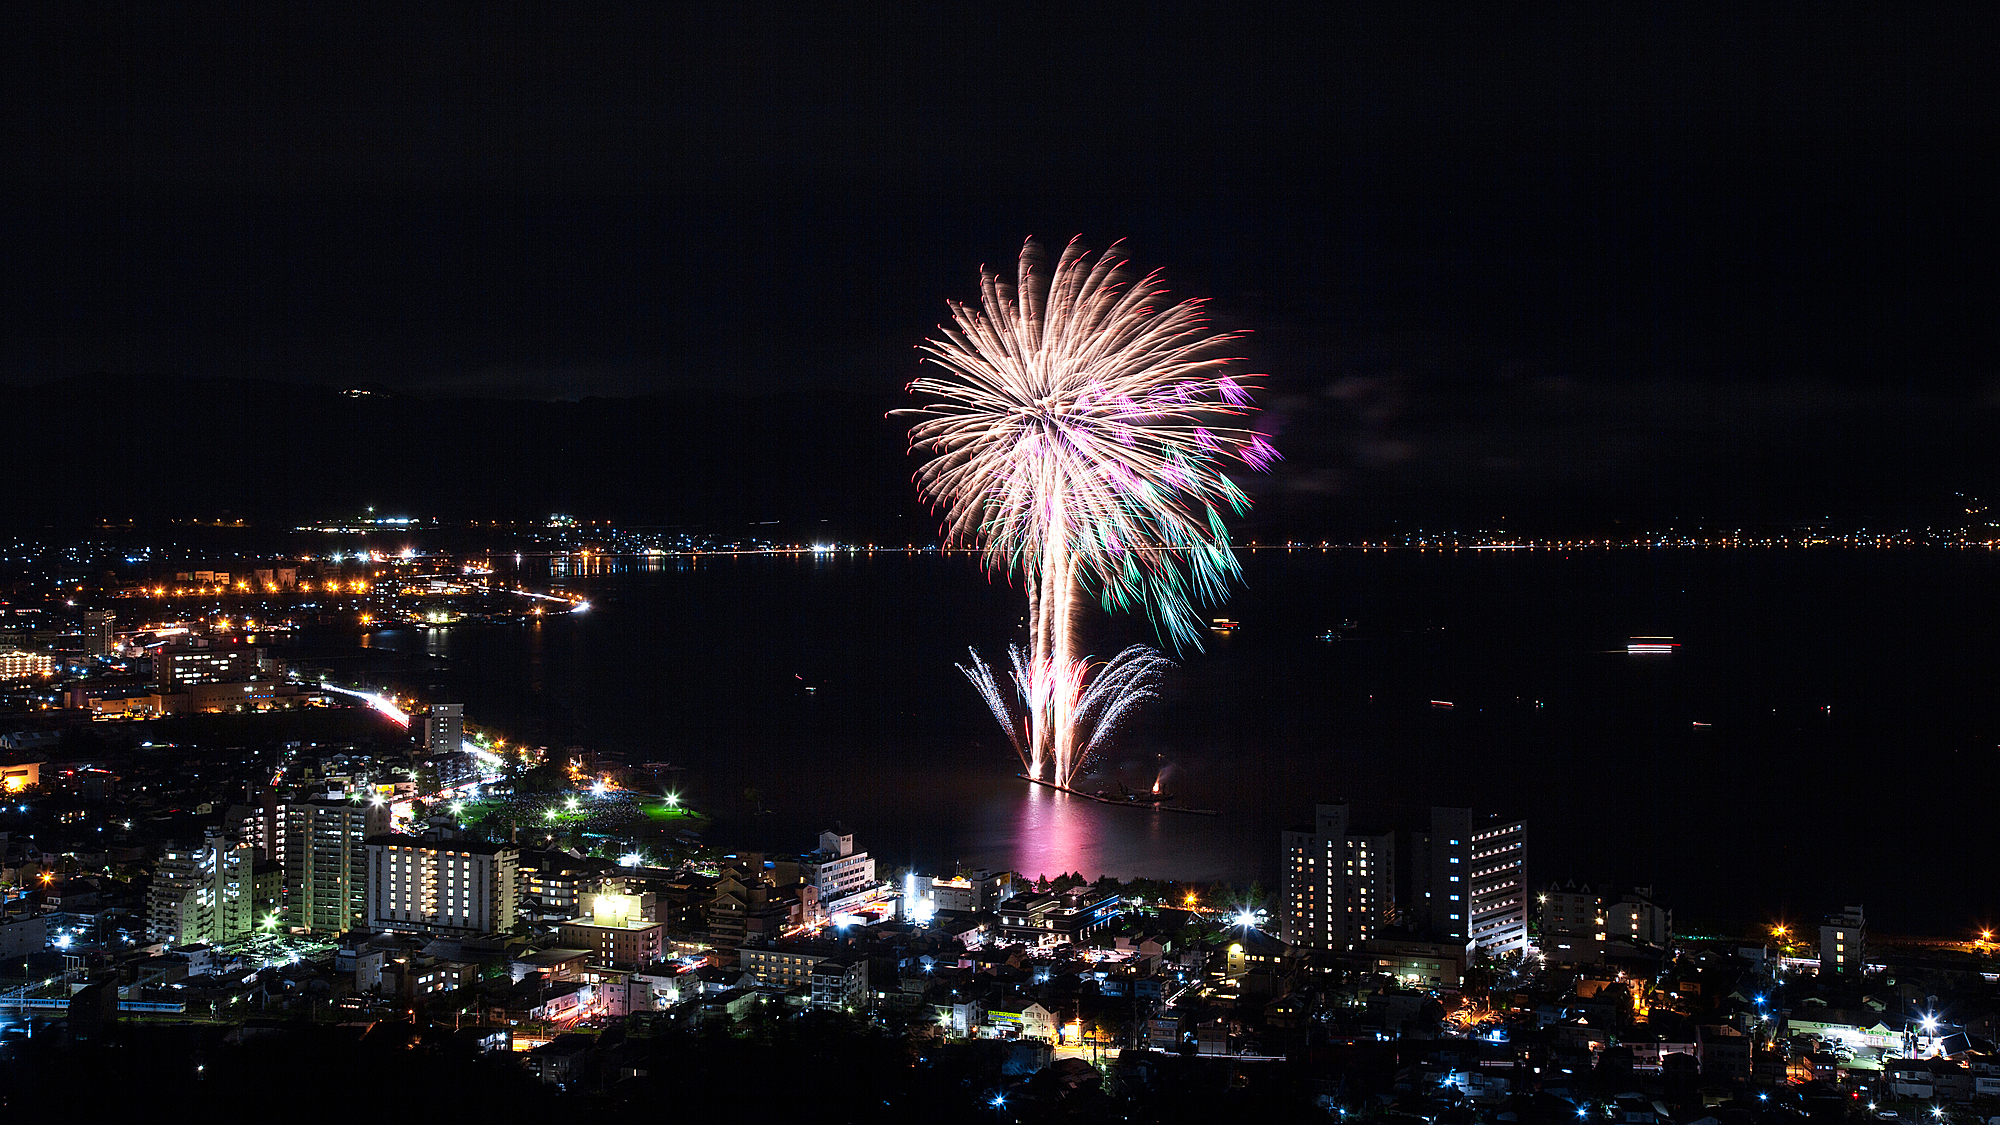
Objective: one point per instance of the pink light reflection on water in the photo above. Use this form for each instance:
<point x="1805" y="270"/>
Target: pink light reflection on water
<point x="1056" y="833"/>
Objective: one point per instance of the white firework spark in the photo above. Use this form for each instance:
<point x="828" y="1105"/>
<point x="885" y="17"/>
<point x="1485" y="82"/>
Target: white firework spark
<point x="1081" y="440"/>
<point x="1119" y="685"/>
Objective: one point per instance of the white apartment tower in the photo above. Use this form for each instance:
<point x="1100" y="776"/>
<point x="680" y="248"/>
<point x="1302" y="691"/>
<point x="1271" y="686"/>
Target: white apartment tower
<point x="1337" y="888"/>
<point x="203" y="892"/>
<point x="325" y="859"/>
<point x="457" y="887"/>
<point x="1498" y="887"/>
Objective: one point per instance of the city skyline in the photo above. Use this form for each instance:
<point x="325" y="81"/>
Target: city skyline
<point x="487" y="577"/>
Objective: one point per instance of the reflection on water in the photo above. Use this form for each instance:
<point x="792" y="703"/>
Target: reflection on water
<point x="1039" y="831"/>
<point x="705" y="662"/>
<point x="1054" y="833"/>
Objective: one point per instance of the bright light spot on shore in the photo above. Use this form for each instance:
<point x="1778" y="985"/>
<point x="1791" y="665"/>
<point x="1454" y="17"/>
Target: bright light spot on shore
<point x="632" y="859"/>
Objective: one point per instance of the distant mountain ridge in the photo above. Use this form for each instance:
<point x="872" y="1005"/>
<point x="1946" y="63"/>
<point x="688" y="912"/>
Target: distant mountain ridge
<point x="118" y="446"/>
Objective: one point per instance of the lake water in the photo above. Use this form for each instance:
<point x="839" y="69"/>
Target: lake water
<point x="1825" y="732"/>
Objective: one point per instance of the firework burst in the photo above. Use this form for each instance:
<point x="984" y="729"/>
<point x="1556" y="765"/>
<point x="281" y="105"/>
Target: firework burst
<point x="1080" y="438"/>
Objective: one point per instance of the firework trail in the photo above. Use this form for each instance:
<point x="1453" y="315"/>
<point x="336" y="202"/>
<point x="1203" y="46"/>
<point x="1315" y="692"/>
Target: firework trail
<point x="1119" y="685"/>
<point x="1080" y="439"/>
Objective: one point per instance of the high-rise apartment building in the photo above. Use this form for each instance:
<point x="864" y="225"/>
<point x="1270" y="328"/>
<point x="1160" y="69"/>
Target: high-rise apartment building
<point x="203" y="892"/>
<point x="1337" y="886"/>
<point x="1469" y="880"/>
<point x="462" y="887"/>
<point x="99" y="625"/>
<point x="444" y="728"/>
<point x="1460" y="879"/>
<point x="325" y="858"/>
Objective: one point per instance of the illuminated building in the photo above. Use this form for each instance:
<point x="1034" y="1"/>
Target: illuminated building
<point x="27" y="627"/>
<point x="1636" y="918"/>
<point x="756" y="898"/>
<point x="1843" y="943"/>
<point x="17" y="776"/>
<point x="617" y="931"/>
<point x="203" y="892"/>
<point x="836" y="870"/>
<point x="444" y="728"/>
<point x="197" y="662"/>
<point x="275" y="579"/>
<point x="1337" y="887"/>
<point x="462" y="887"/>
<point x="1051" y="918"/>
<point x="16" y="664"/>
<point x="840" y="984"/>
<point x="237" y="695"/>
<point x="1461" y="879"/>
<point x="1470" y="880"/>
<point x="1434" y="964"/>
<point x="554" y="886"/>
<point x="99" y="625"/>
<point x="788" y="963"/>
<point x="326" y="862"/>
<point x="1572" y="923"/>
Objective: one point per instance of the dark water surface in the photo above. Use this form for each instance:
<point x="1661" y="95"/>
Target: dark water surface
<point x="1848" y="756"/>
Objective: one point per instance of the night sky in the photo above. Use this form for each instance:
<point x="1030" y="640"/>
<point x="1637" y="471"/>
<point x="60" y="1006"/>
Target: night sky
<point x="1646" y="261"/>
